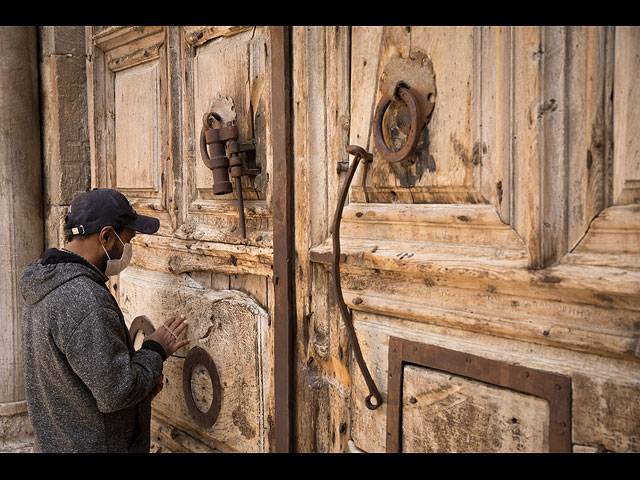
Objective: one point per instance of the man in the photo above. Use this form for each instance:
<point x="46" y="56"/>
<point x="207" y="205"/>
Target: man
<point x="87" y="389"/>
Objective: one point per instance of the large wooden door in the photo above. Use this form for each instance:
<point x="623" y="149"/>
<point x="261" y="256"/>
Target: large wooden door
<point x="150" y="88"/>
<point x="492" y="276"/>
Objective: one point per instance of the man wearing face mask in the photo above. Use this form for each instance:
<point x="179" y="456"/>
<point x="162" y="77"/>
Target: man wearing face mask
<point x="87" y="388"/>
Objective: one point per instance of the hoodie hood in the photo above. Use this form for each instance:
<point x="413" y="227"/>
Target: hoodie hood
<point x="55" y="268"/>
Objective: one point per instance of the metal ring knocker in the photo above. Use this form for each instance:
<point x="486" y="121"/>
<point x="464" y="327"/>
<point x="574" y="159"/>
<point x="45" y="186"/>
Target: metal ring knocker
<point x="403" y="92"/>
<point x="200" y="356"/>
<point x="142" y="324"/>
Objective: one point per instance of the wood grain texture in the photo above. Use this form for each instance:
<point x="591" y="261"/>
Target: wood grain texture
<point x="147" y="85"/>
<point x="512" y="235"/>
<point x="438" y="408"/>
<point x="233" y="329"/>
<point x="626" y="177"/>
<point x="320" y="75"/>
<point x="597" y="382"/>
<point x="516" y="240"/>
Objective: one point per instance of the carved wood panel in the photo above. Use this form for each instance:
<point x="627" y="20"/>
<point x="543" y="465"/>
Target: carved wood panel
<point x="137" y="126"/>
<point x="149" y="88"/>
<point x="514" y="126"/>
<point x="128" y="117"/>
<point x="446" y="167"/>
<point x="626" y="182"/>
<point x="438" y="407"/>
<point x="232" y="328"/>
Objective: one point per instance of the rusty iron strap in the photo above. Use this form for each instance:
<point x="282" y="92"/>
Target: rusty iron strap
<point x="358" y="153"/>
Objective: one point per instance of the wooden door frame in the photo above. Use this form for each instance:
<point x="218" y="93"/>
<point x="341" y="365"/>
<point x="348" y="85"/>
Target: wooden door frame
<point x="283" y="238"/>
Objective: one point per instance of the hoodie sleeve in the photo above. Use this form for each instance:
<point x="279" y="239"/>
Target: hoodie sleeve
<point x="97" y="351"/>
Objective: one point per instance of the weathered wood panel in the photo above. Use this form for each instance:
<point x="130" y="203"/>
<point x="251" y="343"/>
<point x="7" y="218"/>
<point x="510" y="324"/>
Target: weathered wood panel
<point x="225" y="71"/>
<point x="626" y="176"/>
<point x="554" y="77"/>
<point x="587" y="308"/>
<point x="597" y="382"/>
<point x="438" y="409"/>
<point x="233" y="329"/>
<point x="516" y="246"/>
<point x="320" y="86"/>
<point x="129" y="121"/>
<point x="560" y="124"/>
<point x="149" y="87"/>
<point x="137" y="128"/>
<point x="447" y="168"/>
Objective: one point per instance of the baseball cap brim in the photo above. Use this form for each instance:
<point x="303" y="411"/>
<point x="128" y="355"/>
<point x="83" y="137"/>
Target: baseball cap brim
<point x="144" y="224"/>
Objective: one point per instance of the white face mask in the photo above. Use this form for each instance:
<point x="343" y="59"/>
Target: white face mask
<point x="115" y="266"/>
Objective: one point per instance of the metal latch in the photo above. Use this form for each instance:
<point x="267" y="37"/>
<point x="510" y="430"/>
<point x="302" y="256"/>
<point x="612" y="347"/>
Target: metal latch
<point x="220" y="152"/>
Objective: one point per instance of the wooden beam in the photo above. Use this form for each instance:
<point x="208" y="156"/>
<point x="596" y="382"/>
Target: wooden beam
<point x="282" y="204"/>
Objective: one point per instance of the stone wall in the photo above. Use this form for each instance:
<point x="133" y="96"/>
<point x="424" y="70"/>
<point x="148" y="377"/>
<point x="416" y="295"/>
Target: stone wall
<point x="44" y="164"/>
<point x="66" y="161"/>
<point x="21" y="214"/>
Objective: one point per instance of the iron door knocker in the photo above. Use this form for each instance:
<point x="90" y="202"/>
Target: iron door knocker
<point x="403" y="92"/>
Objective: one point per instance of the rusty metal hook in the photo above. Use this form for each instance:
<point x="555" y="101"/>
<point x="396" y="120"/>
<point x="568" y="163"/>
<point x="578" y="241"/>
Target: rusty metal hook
<point x="403" y="92"/>
<point x="358" y="153"/>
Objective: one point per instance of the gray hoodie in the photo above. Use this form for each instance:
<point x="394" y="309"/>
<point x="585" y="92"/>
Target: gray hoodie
<point x="87" y="389"/>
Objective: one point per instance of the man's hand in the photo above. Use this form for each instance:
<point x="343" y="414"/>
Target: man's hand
<point x="168" y="333"/>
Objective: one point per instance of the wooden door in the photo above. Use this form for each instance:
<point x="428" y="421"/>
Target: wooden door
<point x="149" y="90"/>
<point x="503" y="250"/>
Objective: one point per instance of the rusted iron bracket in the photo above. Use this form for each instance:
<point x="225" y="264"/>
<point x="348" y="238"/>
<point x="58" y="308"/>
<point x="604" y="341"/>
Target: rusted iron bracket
<point x="359" y="153"/>
<point x="552" y="387"/>
<point x="199" y="356"/>
<point x="222" y="163"/>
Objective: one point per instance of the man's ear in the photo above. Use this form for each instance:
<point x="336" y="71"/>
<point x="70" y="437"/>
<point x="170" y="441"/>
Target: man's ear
<point x="106" y="236"/>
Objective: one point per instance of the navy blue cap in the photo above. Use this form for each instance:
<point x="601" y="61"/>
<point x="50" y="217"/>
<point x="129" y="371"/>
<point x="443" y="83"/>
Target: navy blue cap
<point x="90" y="212"/>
